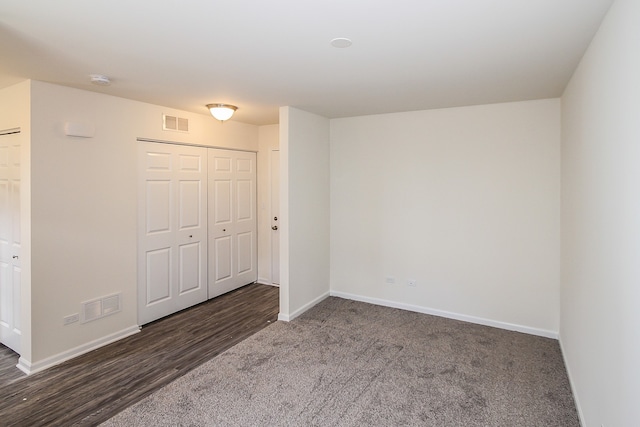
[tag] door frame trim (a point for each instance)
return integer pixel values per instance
(192, 144)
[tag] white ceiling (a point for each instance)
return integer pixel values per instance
(259, 55)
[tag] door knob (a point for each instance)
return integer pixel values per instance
(274, 227)
(275, 218)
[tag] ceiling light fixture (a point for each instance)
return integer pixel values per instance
(222, 112)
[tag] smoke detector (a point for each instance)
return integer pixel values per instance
(341, 42)
(100, 80)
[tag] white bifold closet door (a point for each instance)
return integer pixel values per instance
(233, 247)
(10, 242)
(172, 241)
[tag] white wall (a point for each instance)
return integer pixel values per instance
(15, 113)
(268, 140)
(84, 203)
(600, 296)
(304, 211)
(463, 200)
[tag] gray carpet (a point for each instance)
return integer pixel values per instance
(346, 363)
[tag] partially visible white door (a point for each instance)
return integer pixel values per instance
(275, 214)
(10, 270)
(172, 241)
(232, 220)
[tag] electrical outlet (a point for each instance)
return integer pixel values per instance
(412, 282)
(73, 318)
(390, 280)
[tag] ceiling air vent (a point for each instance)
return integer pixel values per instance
(178, 124)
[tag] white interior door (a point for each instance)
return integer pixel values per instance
(172, 241)
(10, 270)
(275, 215)
(232, 220)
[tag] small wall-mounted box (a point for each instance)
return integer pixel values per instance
(82, 130)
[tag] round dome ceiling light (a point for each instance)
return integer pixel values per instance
(222, 112)
(341, 42)
(100, 80)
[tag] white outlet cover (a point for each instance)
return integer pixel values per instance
(72, 318)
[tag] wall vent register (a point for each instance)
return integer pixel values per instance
(178, 124)
(101, 307)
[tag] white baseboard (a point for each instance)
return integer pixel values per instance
(268, 284)
(298, 312)
(571, 384)
(448, 314)
(31, 368)
(283, 317)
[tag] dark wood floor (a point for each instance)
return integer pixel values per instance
(93, 387)
(8, 370)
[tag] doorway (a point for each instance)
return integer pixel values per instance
(10, 241)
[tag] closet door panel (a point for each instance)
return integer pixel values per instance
(232, 220)
(172, 236)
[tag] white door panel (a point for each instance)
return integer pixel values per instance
(222, 202)
(158, 206)
(245, 201)
(275, 215)
(245, 249)
(190, 269)
(173, 231)
(232, 220)
(222, 258)
(158, 278)
(10, 243)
